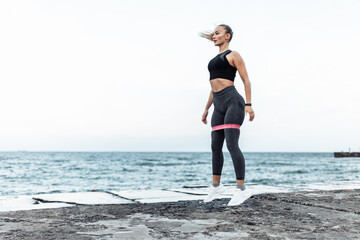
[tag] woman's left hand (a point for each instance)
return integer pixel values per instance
(248, 109)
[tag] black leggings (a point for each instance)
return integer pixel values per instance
(229, 114)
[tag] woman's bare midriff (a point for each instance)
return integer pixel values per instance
(218, 84)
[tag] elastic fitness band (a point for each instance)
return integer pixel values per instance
(219, 127)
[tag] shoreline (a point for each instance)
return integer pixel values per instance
(319, 214)
(57, 200)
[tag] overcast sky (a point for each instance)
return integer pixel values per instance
(132, 75)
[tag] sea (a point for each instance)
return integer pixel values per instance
(27, 173)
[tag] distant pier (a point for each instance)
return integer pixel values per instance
(346, 154)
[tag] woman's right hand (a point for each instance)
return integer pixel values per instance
(203, 119)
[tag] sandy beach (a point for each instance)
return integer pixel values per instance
(297, 215)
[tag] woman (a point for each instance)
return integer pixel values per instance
(229, 112)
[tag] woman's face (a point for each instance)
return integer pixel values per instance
(219, 36)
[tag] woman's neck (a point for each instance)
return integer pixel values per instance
(223, 48)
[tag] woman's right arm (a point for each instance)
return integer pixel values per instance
(208, 105)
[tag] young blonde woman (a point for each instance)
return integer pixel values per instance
(229, 112)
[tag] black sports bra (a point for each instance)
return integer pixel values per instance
(219, 67)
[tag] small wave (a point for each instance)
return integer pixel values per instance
(183, 158)
(157, 164)
(61, 160)
(277, 163)
(297, 171)
(168, 164)
(128, 170)
(353, 171)
(53, 191)
(190, 175)
(151, 159)
(75, 168)
(145, 164)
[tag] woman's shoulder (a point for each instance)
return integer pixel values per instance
(235, 55)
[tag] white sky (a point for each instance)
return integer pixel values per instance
(132, 75)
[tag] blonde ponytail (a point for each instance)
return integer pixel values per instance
(208, 35)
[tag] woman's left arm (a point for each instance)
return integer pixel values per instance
(240, 66)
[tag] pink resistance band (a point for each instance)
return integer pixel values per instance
(219, 127)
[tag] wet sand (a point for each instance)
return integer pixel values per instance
(296, 215)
